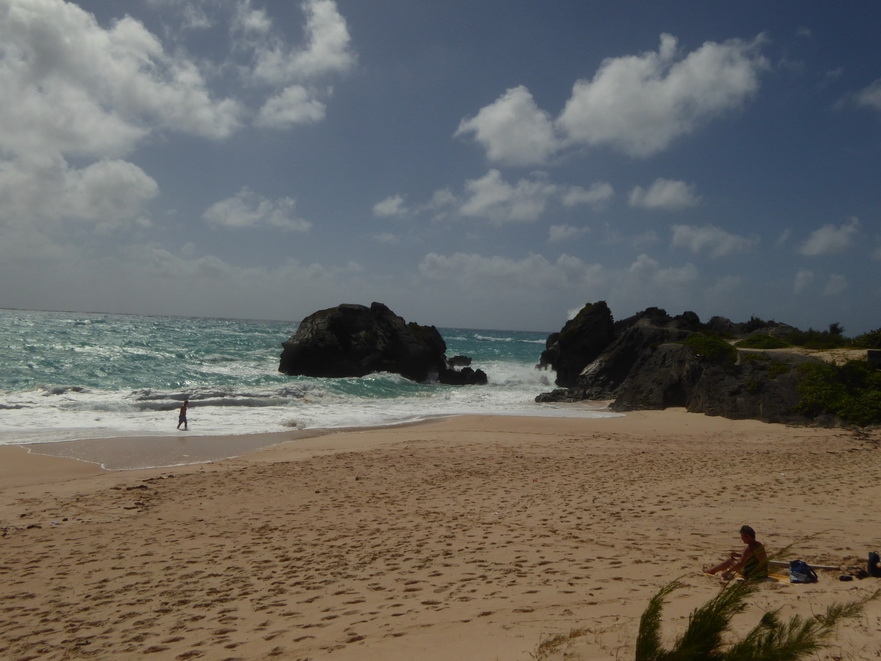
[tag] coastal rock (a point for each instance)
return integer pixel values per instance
(582, 339)
(633, 351)
(355, 340)
(652, 363)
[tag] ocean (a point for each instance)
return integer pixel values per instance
(71, 376)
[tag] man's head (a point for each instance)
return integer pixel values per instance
(747, 531)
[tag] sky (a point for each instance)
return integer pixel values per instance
(487, 164)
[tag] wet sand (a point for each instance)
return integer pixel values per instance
(471, 538)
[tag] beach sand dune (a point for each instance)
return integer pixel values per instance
(470, 538)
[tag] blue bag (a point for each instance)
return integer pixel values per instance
(801, 572)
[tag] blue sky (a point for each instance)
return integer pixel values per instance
(471, 163)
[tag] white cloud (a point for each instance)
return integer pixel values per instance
(293, 105)
(513, 129)
(643, 265)
(785, 235)
(714, 240)
(493, 198)
(830, 239)
(391, 206)
(596, 195)
(250, 20)
(835, 285)
(803, 280)
(109, 192)
(562, 233)
(640, 104)
(666, 194)
(73, 87)
(247, 209)
(870, 97)
(533, 271)
(328, 49)
(387, 238)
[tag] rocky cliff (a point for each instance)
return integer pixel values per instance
(655, 361)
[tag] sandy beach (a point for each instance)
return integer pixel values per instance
(474, 537)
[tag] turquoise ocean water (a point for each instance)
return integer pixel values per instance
(68, 376)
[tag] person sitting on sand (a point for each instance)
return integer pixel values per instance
(182, 418)
(752, 562)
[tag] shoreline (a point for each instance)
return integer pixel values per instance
(132, 452)
(471, 537)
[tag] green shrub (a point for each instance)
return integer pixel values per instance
(870, 340)
(776, 368)
(712, 348)
(762, 342)
(771, 639)
(851, 392)
(819, 340)
(753, 357)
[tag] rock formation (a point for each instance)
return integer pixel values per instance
(655, 361)
(354, 340)
(580, 342)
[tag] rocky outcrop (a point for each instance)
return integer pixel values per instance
(354, 340)
(655, 361)
(582, 339)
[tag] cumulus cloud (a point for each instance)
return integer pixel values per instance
(293, 105)
(246, 209)
(512, 129)
(297, 71)
(665, 194)
(709, 238)
(835, 285)
(642, 283)
(493, 198)
(636, 104)
(563, 233)
(596, 195)
(501, 202)
(328, 49)
(387, 238)
(830, 239)
(870, 97)
(533, 271)
(802, 281)
(640, 104)
(110, 192)
(389, 207)
(73, 87)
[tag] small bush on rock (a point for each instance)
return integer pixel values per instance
(762, 342)
(714, 349)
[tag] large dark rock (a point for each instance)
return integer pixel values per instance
(354, 340)
(635, 340)
(582, 339)
(652, 363)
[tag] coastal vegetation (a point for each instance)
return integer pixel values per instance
(713, 348)
(772, 638)
(707, 636)
(767, 371)
(832, 338)
(851, 392)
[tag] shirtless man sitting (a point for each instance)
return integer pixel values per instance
(752, 562)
